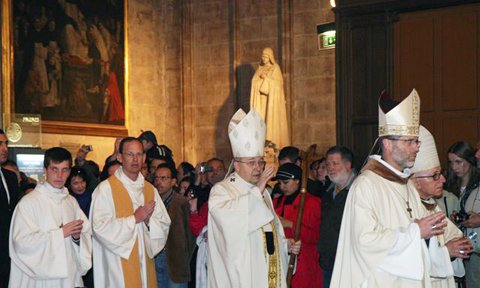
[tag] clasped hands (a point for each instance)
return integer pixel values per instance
(72, 228)
(143, 213)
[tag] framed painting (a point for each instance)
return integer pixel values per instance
(66, 60)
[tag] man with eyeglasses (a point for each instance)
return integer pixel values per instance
(381, 241)
(130, 223)
(246, 243)
(429, 181)
(173, 263)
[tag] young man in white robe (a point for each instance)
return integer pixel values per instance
(50, 236)
(384, 225)
(246, 244)
(130, 224)
(429, 181)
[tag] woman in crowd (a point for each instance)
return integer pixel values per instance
(308, 272)
(77, 185)
(463, 180)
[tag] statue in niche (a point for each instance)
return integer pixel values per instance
(267, 96)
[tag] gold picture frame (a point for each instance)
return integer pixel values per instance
(69, 123)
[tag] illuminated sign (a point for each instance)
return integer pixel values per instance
(326, 36)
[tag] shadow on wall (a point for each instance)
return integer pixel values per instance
(238, 98)
(244, 75)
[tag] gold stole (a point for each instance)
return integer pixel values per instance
(274, 269)
(124, 208)
(274, 279)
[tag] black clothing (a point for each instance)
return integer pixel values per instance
(6, 211)
(318, 188)
(202, 193)
(332, 212)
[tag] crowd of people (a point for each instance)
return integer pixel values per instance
(143, 221)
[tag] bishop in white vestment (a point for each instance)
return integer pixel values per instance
(447, 250)
(246, 244)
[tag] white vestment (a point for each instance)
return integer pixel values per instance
(441, 268)
(114, 237)
(380, 244)
(201, 275)
(41, 255)
(238, 211)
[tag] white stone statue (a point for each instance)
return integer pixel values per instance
(267, 96)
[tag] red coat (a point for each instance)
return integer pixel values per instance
(308, 272)
(199, 220)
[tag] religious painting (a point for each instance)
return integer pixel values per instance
(68, 63)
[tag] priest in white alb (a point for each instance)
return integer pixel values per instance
(448, 249)
(381, 241)
(130, 224)
(50, 236)
(246, 244)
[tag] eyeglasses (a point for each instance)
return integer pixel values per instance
(132, 155)
(251, 164)
(409, 141)
(435, 176)
(162, 178)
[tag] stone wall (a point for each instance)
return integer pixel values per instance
(313, 103)
(225, 44)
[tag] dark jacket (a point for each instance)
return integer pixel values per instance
(6, 211)
(180, 242)
(332, 212)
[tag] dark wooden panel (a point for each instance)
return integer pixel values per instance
(379, 58)
(428, 122)
(414, 58)
(365, 136)
(459, 60)
(456, 129)
(364, 50)
(359, 81)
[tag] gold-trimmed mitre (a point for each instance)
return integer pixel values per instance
(402, 120)
(247, 134)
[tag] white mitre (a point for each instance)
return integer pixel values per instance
(247, 134)
(403, 120)
(427, 156)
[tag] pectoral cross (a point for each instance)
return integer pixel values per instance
(409, 210)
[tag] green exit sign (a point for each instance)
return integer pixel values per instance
(326, 40)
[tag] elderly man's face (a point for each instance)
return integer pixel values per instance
(338, 170)
(249, 168)
(429, 183)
